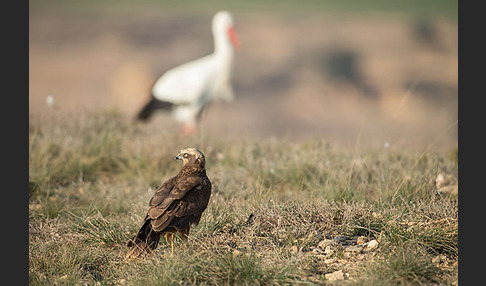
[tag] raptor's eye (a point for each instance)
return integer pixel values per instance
(185, 155)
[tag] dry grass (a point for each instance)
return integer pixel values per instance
(272, 203)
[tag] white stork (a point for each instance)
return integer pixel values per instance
(186, 89)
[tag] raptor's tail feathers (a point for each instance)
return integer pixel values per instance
(145, 240)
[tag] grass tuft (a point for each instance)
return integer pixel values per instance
(406, 265)
(98, 229)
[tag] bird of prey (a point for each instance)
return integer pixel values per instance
(176, 205)
(186, 89)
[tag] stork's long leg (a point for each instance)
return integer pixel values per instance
(188, 129)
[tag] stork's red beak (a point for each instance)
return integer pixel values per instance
(233, 37)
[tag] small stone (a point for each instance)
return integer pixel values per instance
(348, 242)
(317, 250)
(447, 184)
(328, 250)
(354, 248)
(34, 206)
(324, 243)
(336, 275)
(330, 261)
(341, 238)
(50, 100)
(320, 257)
(443, 180)
(361, 240)
(439, 258)
(294, 249)
(376, 215)
(451, 190)
(372, 244)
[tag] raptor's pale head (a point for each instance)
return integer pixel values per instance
(191, 157)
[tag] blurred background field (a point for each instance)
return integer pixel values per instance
(369, 74)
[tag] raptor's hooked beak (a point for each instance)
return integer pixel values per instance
(178, 157)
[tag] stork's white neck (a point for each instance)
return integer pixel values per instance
(222, 44)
